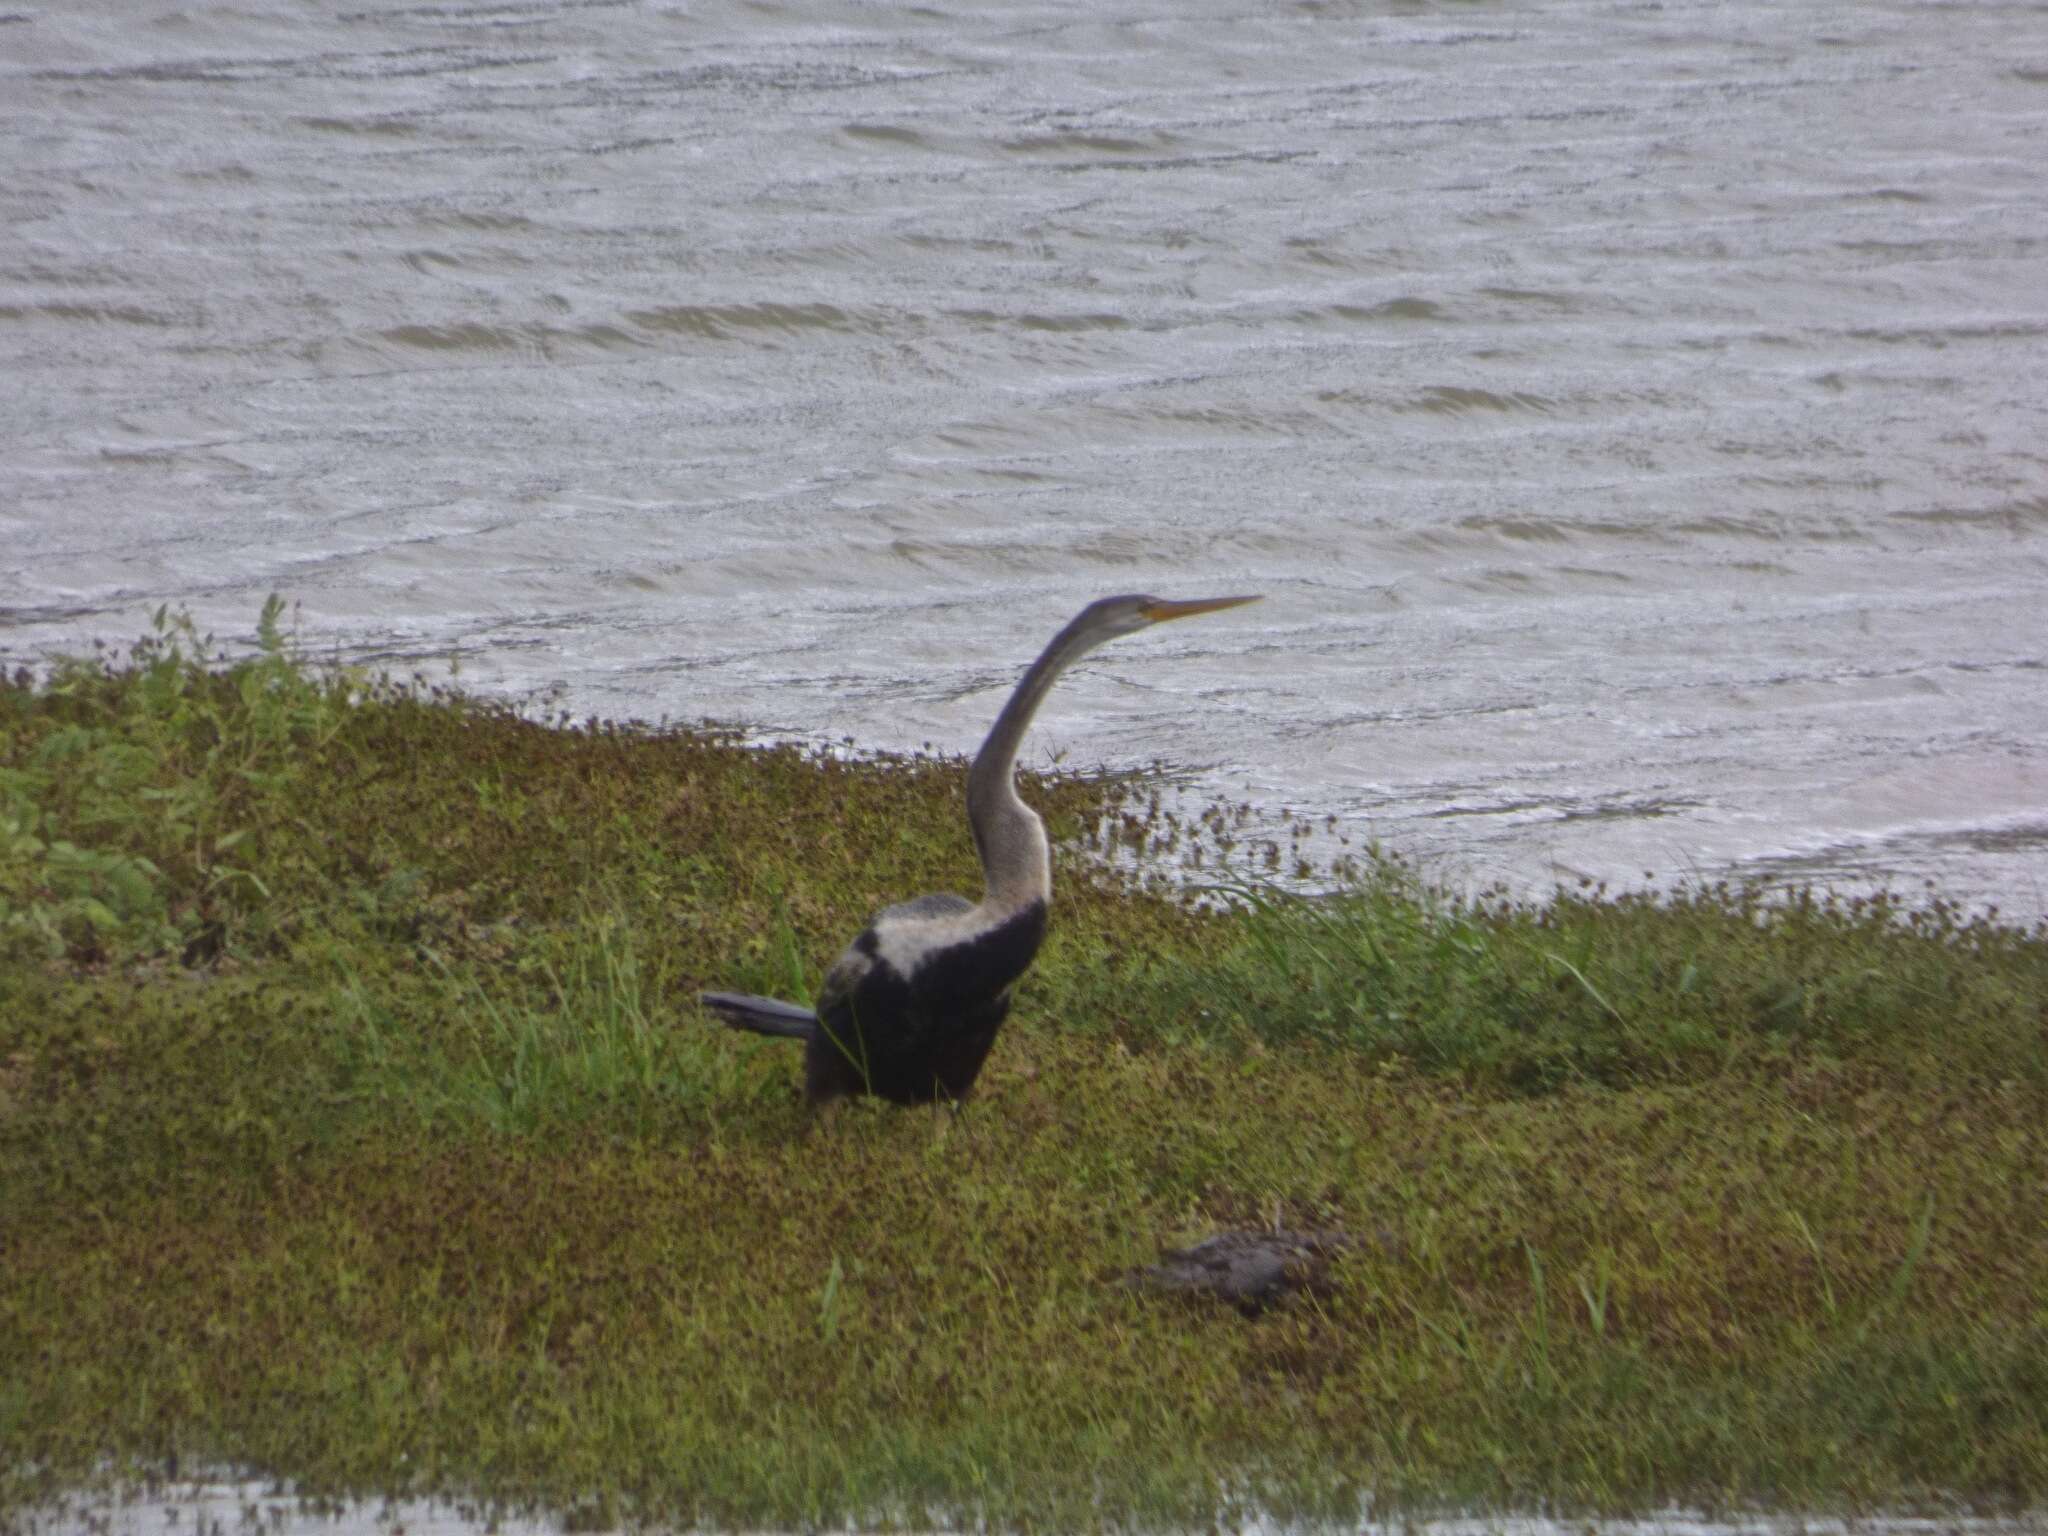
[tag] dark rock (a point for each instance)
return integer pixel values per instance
(1250, 1270)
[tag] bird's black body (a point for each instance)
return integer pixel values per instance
(909, 1011)
(913, 1039)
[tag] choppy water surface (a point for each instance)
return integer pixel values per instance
(1635, 412)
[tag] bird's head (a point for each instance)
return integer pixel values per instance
(1110, 617)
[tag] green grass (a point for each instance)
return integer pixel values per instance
(357, 1125)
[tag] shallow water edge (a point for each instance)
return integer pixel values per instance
(224, 1505)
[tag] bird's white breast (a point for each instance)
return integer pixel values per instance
(903, 942)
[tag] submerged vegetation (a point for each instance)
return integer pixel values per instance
(357, 1126)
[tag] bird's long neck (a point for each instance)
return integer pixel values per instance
(1015, 860)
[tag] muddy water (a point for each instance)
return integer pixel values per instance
(1637, 414)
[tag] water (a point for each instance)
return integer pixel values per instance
(1637, 414)
(228, 1506)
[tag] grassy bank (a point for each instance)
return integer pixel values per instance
(356, 1124)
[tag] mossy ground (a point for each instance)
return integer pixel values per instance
(357, 1125)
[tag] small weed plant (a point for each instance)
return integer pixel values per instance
(136, 800)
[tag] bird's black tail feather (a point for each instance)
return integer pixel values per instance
(762, 1015)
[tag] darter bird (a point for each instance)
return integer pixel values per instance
(909, 1011)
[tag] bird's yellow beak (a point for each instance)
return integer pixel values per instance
(1170, 610)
